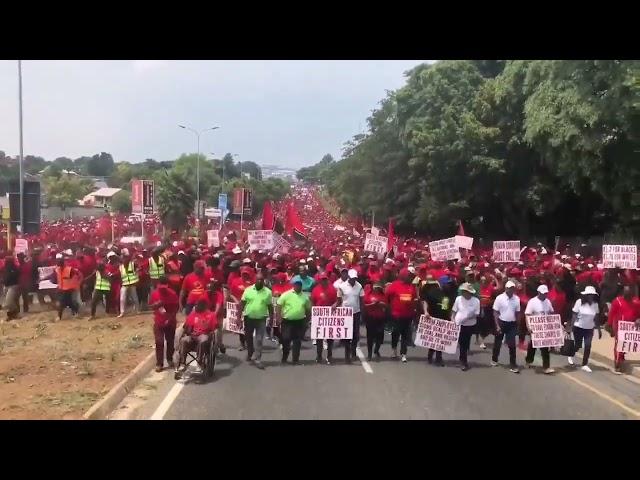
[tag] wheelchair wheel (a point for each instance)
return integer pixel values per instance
(211, 359)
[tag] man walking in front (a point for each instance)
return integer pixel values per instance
(295, 311)
(539, 305)
(506, 309)
(256, 307)
(129, 276)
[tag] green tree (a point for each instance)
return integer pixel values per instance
(121, 202)
(64, 192)
(175, 197)
(64, 163)
(101, 165)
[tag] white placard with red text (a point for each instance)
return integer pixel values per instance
(506, 251)
(43, 274)
(260, 239)
(213, 238)
(22, 246)
(620, 256)
(233, 321)
(328, 325)
(445, 249)
(280, 245)
(375, 243)
(546, 330)
(464, 242)
(438, 334)
(629, 340)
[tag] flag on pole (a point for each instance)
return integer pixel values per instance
(391, 237)
(460, 229)
(268, 218)
(293, 225)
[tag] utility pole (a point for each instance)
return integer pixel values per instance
(21, 159)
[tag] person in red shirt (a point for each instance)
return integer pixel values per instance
(165, 305)
(278, 287)
(199, 327)
(375, 316)
(558, 299)
(144, 279)
(403, 301)
(194, 287)
(625, 308)
(323, 295)
(25, 267)
(112, 268)
(486, 323)
(237, 287)
(87, 267)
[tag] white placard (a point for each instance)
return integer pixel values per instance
(375, 243)
(212, 212)
(233, 321)
(445, 249)
(213, 238)
(22, 246)
(629, 340)
(131, 240)
(620, 256)
(375, 231)
(328, 325)
(260, 239)
(280, 245)
(45, 272)
(546, 330)
(464, 242)
(437, 334)
(339, 228)
(506, 251)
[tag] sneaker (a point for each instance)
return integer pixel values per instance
(223, 349)
(617, 371)
(318, 360)
(259, 365)
(394, 354)
(494, 364)
(483, 346)
(274, 339)
(585, 368)
(248, 359)
(328, 361)
(570, 360)
(314, 342)
(120, 316)
(158, 369)
(464, 368)
(429, 360)
(549, 371)
(295, 362)
(325, 345)
(530, 365)
(439, 363)
(241, 348)
(369, 358)
(280, 346)
(377, 354)
(404, 359)
(514, 370)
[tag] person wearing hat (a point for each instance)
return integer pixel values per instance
(539, 305)
(436, 304)
(506, 311)
(294, 307)
(586, 317)
(186, 264)
(324, 295)
(129, 275)
(465, 310)
(376, 310)
(165, 305)
(101, 289)
(344, 276)
(307, 281)
(351, 294)
(403, 303)
(68, 280)
(279, 285)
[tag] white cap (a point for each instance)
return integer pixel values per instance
(125, 251)
(181, 252)
(259, 252)
(216, 255)
(467, 269)
(109, 255)
(158, 243)
(310, 259)
(412, 270)
(175, 243)
(276, 256)
(567, 266)
(589, 290)
(59, 256)
(371, 256)
(543, 289)
(509, 284)
(590, 265)
(389, 260)
(352, 273)
(600, 266)
(236, 250)
(68, 252)
(563, 257)
(303, 261)
(246, 260)
(577, 255)
(543, 251)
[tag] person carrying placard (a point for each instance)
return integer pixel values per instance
(624, 308)
(539, 305)
(434, 304)
(324, 295)
(351, 294)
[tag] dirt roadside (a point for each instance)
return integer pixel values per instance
(58, 370)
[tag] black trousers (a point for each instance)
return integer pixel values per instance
(508, 330)
(98, 297)
(375, 334)
(66, 300)
(464, 340)
(586, 334)
(351, 345)
(292, 332)
(401, 330)
(438, 355)
(531, 353)
(319, 346)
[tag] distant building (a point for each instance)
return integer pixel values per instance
(100, 198)
(274, 171)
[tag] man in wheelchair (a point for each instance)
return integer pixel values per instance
(198, 331)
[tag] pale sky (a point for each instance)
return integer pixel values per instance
(289, 113)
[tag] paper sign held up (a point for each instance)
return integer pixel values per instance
(506, 251)
(620, 256)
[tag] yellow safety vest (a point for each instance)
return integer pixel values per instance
(102, 284)
(156, 270)
(129, 275)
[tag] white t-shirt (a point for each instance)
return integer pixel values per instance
(338, 282)
(466, 311)
(507, 307)
(586, 314)
(350, 295)
(536, 307)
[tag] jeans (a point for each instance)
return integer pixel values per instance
(375, 335)
(401, 330)
(254, 343)
(531, 353)
(464, 340)
(98, 296)
(67, 300)
(578, 335)
(162, 333)
(508, 331)
(292, 331)
(129, 290)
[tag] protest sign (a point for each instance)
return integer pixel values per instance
(233, 321)
(620, 256)
(339, 228)
(212, 212)
(375, 231)
(22, 246)
(46, 272)
(375, 243)
(629, 340)
(260, 239)
(464, 242)
(438, 334)
(445, 249)
(326, 325)
(280, 245)
(213, 238)
(131, 240)
(506, 251)
(546, 330)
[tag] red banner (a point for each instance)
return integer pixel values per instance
(136, 196)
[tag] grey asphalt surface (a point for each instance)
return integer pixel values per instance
(411, 391)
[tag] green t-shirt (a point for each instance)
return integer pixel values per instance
(294, 305)
(256, 302)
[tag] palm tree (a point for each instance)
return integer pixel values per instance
(176, 200)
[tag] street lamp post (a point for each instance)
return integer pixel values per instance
(198, 164)
(21, 160)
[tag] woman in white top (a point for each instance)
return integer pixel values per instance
(584, 319)
(466, 310)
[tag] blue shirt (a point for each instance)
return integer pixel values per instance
(307, 283)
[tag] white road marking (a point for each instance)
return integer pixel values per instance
(365, 364)
(162, 409)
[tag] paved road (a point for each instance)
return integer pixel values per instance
(392, 390)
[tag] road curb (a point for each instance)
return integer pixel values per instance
(599, 358)
(112, 399)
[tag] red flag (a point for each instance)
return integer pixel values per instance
(460, 229)
(268, 218)
(293, 223)
(391, 238)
